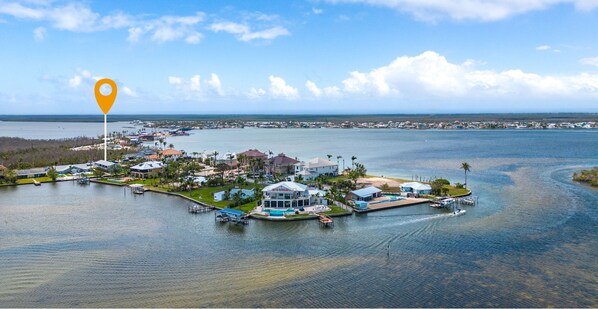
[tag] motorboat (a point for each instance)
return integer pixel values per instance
(458, 212)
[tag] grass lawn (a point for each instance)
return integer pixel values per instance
(456, 191)
(206, 195)
(335, 210)
(30, 180)
(147, 182)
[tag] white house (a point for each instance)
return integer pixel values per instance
(288, 194)
(416, 187)
(105, 166)
(316, 167)
(147, 169)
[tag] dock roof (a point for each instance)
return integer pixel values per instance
(232, 212)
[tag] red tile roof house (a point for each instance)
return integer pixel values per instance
(283, 164)
(253, 154)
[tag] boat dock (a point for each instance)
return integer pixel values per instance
(196, 209)
(326, 221)
(395, 204)
(231, 215)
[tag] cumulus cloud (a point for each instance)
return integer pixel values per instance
(589, 61)
(256, 93)
(313, 88)
(39, 34)
(244, 33)
(317, 11)
(479, 10)
(196, 87)
(279, 89)
(430, 75)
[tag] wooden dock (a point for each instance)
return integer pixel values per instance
(326, 221)
(396, 204)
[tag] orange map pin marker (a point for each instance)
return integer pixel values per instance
(105, 101)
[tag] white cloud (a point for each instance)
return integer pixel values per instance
(479, 10)
(313, 88)
(317, 11)
(543, 47)
(280, 89)
(75, 81)
(39, 34)
(589, 61)
(126, 90)
(173, 80)
(215, 84)
(196, 88)
(194, 38)
(79, 17)
(430, 75)
(244, 33)
(195, 83)
(256, 93)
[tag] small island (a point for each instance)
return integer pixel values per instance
(587, 176)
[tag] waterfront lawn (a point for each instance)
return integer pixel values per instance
(206, 195)
(456, 191)
(334, 210)
(30, 180)
(146, 182)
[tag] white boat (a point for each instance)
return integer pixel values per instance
(447, 202)
(458, 212)
(137, 188)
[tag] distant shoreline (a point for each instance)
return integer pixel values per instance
(555, 117)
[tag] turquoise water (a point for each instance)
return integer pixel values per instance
(531, 241)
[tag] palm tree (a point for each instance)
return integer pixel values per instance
(466, 168)
(171, 146)
(329, 156)
(215, 154)
(353, 158)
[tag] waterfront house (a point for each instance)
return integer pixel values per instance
(282, 164)
(147, 169)
(105, 166)
(254, 154)
(366, 194)
(416, 187)
(221, 195)
(288, 194)
(315, 167)
(31, 173)
(171, 154)
(72, 169)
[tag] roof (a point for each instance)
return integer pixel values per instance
(2, 167)
(417, 186)
(233, 212)
(40, 170)
(317, 192)
(367, 191)
(253, 153)
(171, 152)
(318, 162)
(282, 159)
(286, 186)
(149, 165)
(104, 163)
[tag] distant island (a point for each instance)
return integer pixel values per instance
(588, 176)
(345, 121)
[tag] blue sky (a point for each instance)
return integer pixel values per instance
(335, 56)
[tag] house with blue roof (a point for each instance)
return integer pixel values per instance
(221, 195)
(365, 194)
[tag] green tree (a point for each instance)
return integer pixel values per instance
(52, 173)
(466, 168)
(10, 176)
(353, 158)
(299, 178)
(98, 173)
